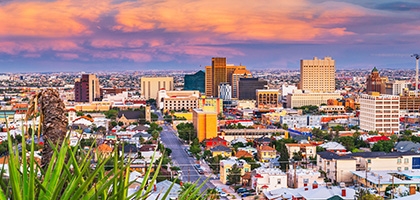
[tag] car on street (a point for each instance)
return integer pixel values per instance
(223, 194)
(200, 171)
(241, 190)
(246, 194)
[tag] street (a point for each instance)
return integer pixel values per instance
(181, 159)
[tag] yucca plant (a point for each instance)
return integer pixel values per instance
(68, 174)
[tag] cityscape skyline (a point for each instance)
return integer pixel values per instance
(74, 35)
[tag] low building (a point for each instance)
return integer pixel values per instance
(332, 109)
(312, 192)
(267, 98)
(264, 178)
(226, 166)
(221, 150)
(265, 153)
(308, 150)
(337, 168)
(232, 134)
(333, 147)
(130, 116)
(297, 178)
(178, 100)
(243, 154)
(299, 98)
(213, 142)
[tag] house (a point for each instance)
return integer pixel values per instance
(226, 165)
(374, 139)
(130, 151)
(140, 128)
(405, 146)
(217, 141)
(264, 178)
(221, 150)
(149, 152)
(243, 154)
(262, 141)
(141, 136)
(333, 147)
(300, 177)
(162, 187)
(85, 120)
(129, 116)
(312, 192)
(103, 151)
(265, 153)
(248, 149)
(337, 167)
(308, 150)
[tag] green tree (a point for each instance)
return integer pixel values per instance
(186, 131)
(348, 142)
(383, 145)
(154, 117)
(285, 126)
(111, 114)
(234, 174)
(80, 113)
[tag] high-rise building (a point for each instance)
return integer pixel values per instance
(317, 75)
(150, 86)
(248, 87)
(379, 113)
(195, 81)
(225, 91)
(376, 83)
(86, 89)
(396, 87)
(237, 74)
(217, 73)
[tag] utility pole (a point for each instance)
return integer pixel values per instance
(188, 174)
(417, 56)
(392, 188)
(294, 178)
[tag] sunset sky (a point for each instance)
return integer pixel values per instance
(91, 35)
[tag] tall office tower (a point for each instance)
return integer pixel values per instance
(376, 83)
(86, 89)
(380, 113)
(317, 75)
(217, 73)
(248, 87)
(236, 75)
(225, 91)
(150, 86)
(195, 81)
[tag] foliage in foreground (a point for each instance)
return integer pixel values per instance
(70, 175)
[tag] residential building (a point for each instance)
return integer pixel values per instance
(312, 192)
(264, 178)
(225, 91)
(376, 83)
(232, 134)
(93, 106)
(318, 75)
(243, 154)
(150, 86)
(130, 116)
(265, 153)
(210, 143)
(308, 150)
(226, 166)
(337, 168)
(178, 100)
(333, 147)
(410, 103)
(406, 146)
(301, 121)
(205, 124)
(267, 98)
(332, 109)
(195, 81)
(86, 88)
(217, 73)
(221, 150)
(379, 113)
(248, 87)
(303, 98)
(237, 74)
(299, 177)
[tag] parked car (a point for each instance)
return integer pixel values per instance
(246, 194)
(197, 166)
(223, 194)
(200, 171)
(241, 190)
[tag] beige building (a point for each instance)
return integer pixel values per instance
(307, 150)
(264, 178)
(300, 98)
(297, 178)
(93, 106)
(317, 75)
(337, 168)
(379, 113)
(267, 98)
(226, 165)
(237, 74)
(332, 109)
(178, 100)
(150, 86)
(219, 72)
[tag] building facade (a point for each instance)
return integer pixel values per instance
(211, 104)
(86, 88)
(300, 98)
(376, 83)
(225, 91)
(267, 98)
(178, 100)
(380, 113)
(248, 87)
(226, 165)
(237, 74)
(195, 81)
(150, 86)
(317, 75)
(217, 73)
(205, 124)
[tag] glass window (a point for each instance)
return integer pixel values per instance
(399, 160)
(278, 181)
(369, 161)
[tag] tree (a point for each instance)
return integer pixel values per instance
(186, 131)
(297, 156)
(111, 114)
(154, 117)
(284, 154)
(347, 141)
(383, 145)
(54, 120)
(80, 113)
(285, 126)
(234, 174)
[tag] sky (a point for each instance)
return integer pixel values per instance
(115, 35)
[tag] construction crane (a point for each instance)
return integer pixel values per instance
(417, 56)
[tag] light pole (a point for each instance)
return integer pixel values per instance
(417, 56)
